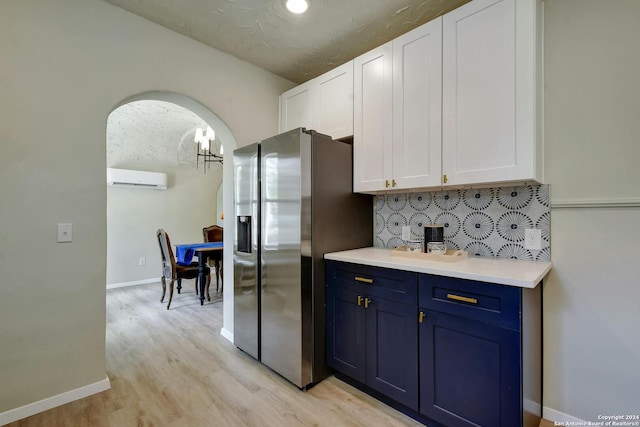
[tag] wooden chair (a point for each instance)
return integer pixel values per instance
(214, 233)
(173, 271)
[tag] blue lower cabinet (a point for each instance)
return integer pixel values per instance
(392, 350)
(469, 372)
(470, 356)
(374, 341)
(346, 333)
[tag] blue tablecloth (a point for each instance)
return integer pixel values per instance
(184, 253)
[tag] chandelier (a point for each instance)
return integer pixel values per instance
(205, 140)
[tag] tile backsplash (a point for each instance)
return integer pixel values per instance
(484, 222)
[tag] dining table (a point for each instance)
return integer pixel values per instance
(186, 252)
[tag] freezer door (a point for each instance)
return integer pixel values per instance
(246, 250)
(286, 228)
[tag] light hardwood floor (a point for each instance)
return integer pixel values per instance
(172, 368)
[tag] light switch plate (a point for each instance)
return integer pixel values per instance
(406, 232)
(65, 232)
(533, 239)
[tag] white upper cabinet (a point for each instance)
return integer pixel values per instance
(455, 102)
(397, 113)
(372, 120)
(324, 104)
(490, 67)
(334, 102)
(417, 107)
(296, 109)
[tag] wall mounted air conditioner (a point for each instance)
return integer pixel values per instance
(136, 179)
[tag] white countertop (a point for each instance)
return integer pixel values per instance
(524, 274)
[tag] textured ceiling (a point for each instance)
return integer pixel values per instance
(264, 33)
(296, 47)
(152, 132)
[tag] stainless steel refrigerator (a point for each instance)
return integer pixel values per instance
(293, 203)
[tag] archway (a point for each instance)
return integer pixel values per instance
(228, 141)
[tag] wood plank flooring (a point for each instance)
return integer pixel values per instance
(172, 368)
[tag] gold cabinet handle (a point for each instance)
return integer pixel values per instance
(393, 183)
(363, 280)
(421, 317)
(463, 299)
(359, 300)
(366, 302)
(444, 179)
(386, 183)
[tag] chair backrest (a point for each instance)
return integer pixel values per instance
(168, 260)
(212, 233)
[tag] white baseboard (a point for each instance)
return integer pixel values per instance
(532, 407)
(53, 401)
(134, 283)
(560, 417)
(228, 335)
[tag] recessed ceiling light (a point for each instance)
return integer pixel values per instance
(297, 6)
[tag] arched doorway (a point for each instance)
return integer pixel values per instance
(229, 143)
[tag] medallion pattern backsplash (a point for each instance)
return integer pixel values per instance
(483, 221)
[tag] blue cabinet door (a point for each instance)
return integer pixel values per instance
(392, 349)
(469, 372)
(346, 333)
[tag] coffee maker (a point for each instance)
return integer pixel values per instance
(433, 233)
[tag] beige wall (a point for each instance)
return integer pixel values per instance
(158, 137)
(134, 215)
(65, 64)
(592, 149)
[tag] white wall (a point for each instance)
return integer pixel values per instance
(592, 130)
(66, 64)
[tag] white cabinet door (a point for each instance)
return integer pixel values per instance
(296, 108)
(372, 120)
(334, 102)
(417, 107)
(489, 92)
